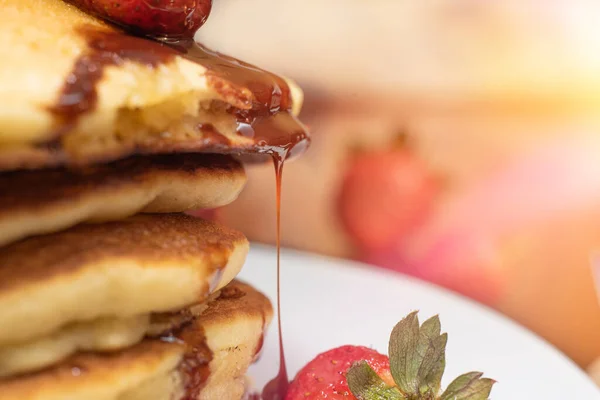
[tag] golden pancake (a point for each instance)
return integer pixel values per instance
(206, 359)
(50, 200)
(76, 90)
(104, 376)
(144, 264)
(101, 335)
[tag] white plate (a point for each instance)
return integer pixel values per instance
(328, 303)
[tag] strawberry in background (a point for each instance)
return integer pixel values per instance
(387, 197)
(457, 243)
(519, 238)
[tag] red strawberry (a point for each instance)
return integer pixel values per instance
(385, 194)
(413, 371)
(170, 18)
(325, 376)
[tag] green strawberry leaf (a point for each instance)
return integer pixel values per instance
(403, 342)
(417, 356)
(365, 384)
(417, 363)
(432, 346)
(469, 386)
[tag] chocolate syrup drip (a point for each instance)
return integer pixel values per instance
(277, 388)
(104, 48)
(271, 94)
(194, 367)
(195, 370)
(262, 100)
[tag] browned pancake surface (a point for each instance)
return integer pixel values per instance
(28, 189)
(146, 263)
(154, 238)
(36, 202)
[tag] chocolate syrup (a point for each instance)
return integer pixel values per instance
(270, 93)
(276, 389)
(194, 367)
(104, 48)
(265, 116)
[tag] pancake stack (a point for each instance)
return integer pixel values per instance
(108, 290)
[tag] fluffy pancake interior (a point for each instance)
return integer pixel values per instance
(39, 57)
(152, 184)
(147, 263)
(232, 325)
(153, 106)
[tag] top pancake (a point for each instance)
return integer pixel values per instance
(147, 98)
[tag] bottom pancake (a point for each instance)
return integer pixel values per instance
(205, 359)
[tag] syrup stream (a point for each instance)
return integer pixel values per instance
(276, 389)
